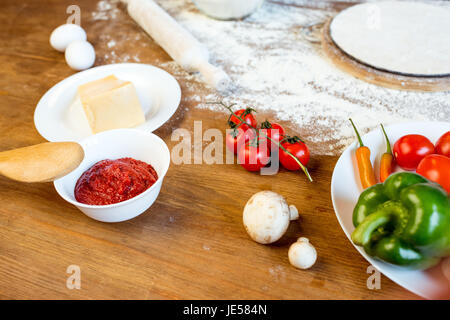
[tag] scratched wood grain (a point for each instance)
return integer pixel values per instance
(191, 242)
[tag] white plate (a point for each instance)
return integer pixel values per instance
(346, 188)
(159, 94)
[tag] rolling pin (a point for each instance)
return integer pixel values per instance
(176, 41)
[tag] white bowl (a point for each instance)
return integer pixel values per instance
(115, 144)
(228, 9)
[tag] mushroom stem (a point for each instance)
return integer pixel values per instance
(293, 212)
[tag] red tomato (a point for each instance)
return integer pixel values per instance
(436, 167)
(443, 144)
(254, 155)
(246, 115)
(238, 137)
(409, 150)
(274, 131)
(297, 148)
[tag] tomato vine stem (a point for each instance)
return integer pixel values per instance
(229, 108)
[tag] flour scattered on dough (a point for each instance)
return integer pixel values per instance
(274, 68)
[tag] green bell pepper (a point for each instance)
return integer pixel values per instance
(404, 221)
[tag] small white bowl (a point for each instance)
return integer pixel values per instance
(228, 9)
(115, 144)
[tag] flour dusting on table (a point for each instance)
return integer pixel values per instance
(276, 67)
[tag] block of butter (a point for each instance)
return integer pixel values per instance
(110, 103)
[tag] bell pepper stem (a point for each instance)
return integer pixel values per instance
(390, 211)
(363, 233)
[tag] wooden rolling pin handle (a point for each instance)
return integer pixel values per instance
(181, 45)
(214, 76)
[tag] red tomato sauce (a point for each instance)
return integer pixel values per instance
(113, 181)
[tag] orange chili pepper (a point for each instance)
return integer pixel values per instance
(387, 159)
(366, 174)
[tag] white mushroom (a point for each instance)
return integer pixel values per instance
(302, 254)
(267, 216)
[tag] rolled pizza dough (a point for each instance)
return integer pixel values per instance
(405, 37)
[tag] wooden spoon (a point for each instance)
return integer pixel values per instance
(42, 162)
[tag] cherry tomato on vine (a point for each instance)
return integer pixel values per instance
(443, 145)
(297, 148)
(274, 131)
(246, 115)
(436, 167)
(236, 138)
(254, 155)
(409, 150)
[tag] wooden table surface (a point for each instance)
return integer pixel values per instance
(191, 243)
